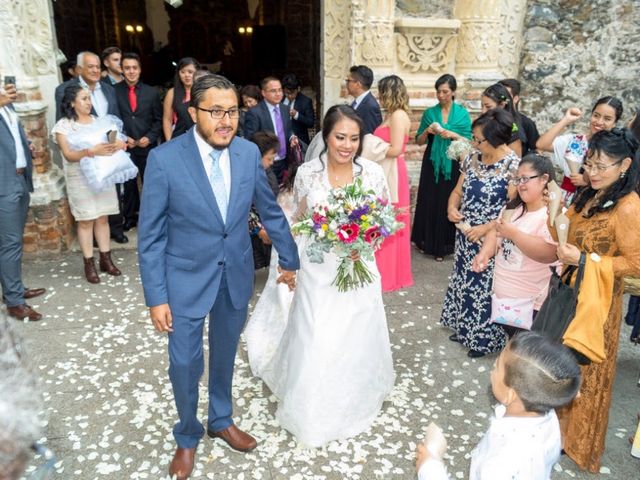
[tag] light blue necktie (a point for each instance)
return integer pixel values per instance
(217, 183)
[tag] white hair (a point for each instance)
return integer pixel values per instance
(20, 404)
(81, 55)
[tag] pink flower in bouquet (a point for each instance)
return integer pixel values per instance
(318, 220)
(348, 233)
(372, 234)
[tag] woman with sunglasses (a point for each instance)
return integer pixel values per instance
(525, 248)
(572, 146)
(603, 234)
(474, 204)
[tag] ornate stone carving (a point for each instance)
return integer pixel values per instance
(478, 40)
(426, 45)
(8, 43)
(372, 27)
(512, 13)
(337, 42)
(35, 33)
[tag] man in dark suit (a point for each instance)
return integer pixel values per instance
(15, 184)
(141, 111)
(300, 107)
(271, 116)
(196, 260)
(359, 82)
(103, 102)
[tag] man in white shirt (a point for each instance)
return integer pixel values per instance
(15, 185)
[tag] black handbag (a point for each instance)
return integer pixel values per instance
(559, 308)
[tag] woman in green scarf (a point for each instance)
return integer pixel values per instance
(432, 232)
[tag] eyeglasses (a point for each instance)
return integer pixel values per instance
(219, 113)
(523, 180)
(477, 140)
(598, 168)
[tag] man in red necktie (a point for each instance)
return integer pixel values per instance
(141, 113)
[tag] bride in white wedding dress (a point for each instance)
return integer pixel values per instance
(332, 368)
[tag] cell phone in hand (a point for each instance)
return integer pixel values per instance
(9, 80)
(112, 135)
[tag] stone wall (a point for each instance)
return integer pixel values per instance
(576, 51)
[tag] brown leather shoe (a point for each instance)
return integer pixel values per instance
(90, 272)
(33, 292)
(182, 464)
(236, 438)
(106, 264)
(24, 311)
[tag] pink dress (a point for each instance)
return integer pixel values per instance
(394, 257)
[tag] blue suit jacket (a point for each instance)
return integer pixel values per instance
(184, 246)
(8, 175)
(369, 112)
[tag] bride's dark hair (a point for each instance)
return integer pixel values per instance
(333, 116)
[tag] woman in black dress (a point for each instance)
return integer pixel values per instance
(175, 116)
(432, 232)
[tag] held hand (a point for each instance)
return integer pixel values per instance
(506, 230)
(454, 215)
(572, 114)
(294, 141)
(8, 94)
(568, 254)
(448, 134)
(475, 234)
(293, 112)
(130, 142)
(578, 180)
(287, 277)
(161, 318)
(480, 262)
(264, 236)
(103, 149)
(143, 142)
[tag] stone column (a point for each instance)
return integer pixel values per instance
(478, 38)
(28, 24)
(335, 53)
(372, 23)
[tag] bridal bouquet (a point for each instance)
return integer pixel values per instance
(459, 149)
(352, 219)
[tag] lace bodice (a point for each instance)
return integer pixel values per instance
(312, 184)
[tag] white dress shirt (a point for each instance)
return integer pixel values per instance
(12, 121)
(525, 448)
(98, 100)
(225, 164)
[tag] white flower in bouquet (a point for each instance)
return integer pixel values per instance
(459, 149)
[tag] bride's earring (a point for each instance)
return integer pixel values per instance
(623, 174)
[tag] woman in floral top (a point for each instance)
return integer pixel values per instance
(482, 191)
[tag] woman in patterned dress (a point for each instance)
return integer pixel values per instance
(482, 190)
(603, 223)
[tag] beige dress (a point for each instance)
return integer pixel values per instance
(85, 204)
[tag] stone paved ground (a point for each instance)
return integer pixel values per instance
(110, 408)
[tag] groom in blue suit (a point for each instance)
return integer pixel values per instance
(196, 257)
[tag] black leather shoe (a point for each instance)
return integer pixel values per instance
(475, 354)
(454, 338)
(129, 224)
(120, 238)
